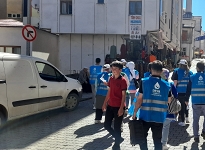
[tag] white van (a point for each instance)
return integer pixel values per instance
(30, 85)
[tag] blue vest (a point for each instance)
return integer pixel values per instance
(94, 71)
(198, 88)
(101, 88)
(147, 74)
(155, 99)
(183, 80)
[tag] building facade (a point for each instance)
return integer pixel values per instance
(89, 29)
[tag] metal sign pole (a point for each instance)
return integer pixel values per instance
(28, 23)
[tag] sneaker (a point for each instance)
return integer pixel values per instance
(97, 121)
(203, 134)
(196, 139)
(116, 147)
(182, 124)
(165, 147)
(187, 120)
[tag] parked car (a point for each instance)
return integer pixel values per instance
(30, 85)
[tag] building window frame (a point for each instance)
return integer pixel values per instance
(14, 49)
(9, 15)
(101, 2)
(135, 7)
(66, 7)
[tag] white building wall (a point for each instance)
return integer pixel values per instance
(79, 50)
(89, 17)
(12, 36)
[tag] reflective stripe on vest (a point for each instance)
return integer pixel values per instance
(153, 109)
(197, 95)
(103, 88)
(198, 89)
(154, 101)
(181, 85)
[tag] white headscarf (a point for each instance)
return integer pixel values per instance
(131, 66)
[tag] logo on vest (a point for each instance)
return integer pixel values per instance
(156, 91)
(94, 70)
(157, 86)
(201, 80)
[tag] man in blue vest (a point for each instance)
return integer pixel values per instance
(94, 71)
(154, 95)
(101, 91)
(196, 88)
(181, 78)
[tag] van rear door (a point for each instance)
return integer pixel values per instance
(22, 86)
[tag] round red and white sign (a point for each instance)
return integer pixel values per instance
(29, 33)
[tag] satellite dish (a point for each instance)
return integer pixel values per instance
(35, 4)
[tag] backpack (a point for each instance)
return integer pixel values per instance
(174, 106)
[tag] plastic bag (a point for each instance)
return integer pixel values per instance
(132, 107)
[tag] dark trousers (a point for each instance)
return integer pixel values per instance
(156, 134)
(98, 114)
(112, 112)
(182, 99)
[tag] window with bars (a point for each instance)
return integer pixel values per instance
(66, 7)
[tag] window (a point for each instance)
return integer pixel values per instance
(9, 15)
(100, 1)
(11, 49)
(48, 72)
(135, 8)
(13, 15)
(66, 7)
(184, 35)
(18, 16)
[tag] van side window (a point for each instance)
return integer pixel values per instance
(47, 72)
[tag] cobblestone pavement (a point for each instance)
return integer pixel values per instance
(58, 130)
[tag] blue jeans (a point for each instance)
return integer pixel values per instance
(165, 130)
(198, 110)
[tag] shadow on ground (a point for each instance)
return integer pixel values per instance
(21, 133)
(89, 130)
(105, 142)
(180, 134)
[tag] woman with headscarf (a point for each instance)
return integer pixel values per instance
(131, 73)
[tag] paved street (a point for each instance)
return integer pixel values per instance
(76, 131)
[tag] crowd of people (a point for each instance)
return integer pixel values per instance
(116, 88)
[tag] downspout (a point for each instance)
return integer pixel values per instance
(171, 19)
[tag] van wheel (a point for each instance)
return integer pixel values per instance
(2, 119)
(72, 102)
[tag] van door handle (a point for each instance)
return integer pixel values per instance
(43, 86)
(32, 87)
(2, 81)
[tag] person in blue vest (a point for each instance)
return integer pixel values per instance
(131, 73)
(154, 95)
(101, 91)
(196, 87)
(94, 70)
(181, 78)
(148, 73)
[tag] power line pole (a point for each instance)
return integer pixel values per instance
(28, 22)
